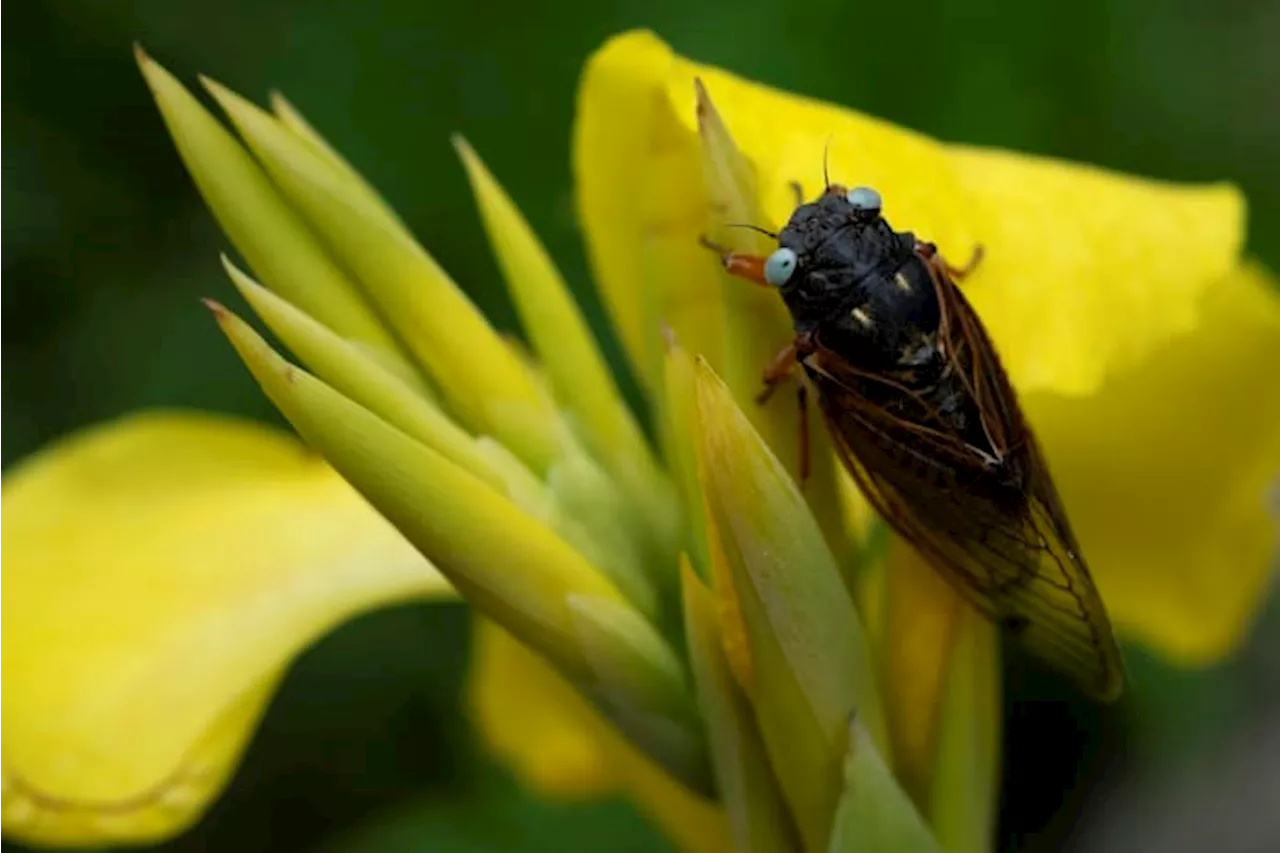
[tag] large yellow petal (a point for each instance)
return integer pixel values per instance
(1167, 474)
(641, 198)
(160, 573)
(538, 724)
(1086, 272)
(533, 719)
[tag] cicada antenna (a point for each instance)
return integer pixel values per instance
(826, 156)
(756, 228)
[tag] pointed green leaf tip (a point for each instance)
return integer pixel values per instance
(485, 383)
(560, 335)
(811, 661)
(875, 815)
(276, 242)
(353, 373)
(756, 324)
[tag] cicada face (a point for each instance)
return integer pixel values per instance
(928, 425)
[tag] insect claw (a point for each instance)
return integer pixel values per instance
(798, 190)
(961, 273)
(707, 243)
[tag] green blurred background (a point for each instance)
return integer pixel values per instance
(107, 249)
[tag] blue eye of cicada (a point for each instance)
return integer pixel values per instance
(780, 266)
(864, 199)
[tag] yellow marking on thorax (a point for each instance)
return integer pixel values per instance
(901, 281)
(863, 318)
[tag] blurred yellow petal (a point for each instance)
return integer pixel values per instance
(641, 199)
(557, 744)
(941, 669)
(1086, 271)
(533, 719)
(259, 222)
(1167, 474)
(963, 802)
(922, 617)
(692, 822)
(160, 573)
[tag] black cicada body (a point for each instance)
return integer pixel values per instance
(926, 422)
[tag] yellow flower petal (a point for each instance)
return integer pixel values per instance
(922, 617)
(1086, 271)
(640, 195)
(1167, 473)
(556, 743)
(160, 573)
(966, 776)
(941, 669)
(533, 719)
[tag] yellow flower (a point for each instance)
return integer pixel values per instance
(163, 570)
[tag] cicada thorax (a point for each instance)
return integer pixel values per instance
(868, 301)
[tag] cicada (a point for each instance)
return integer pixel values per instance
(927, 423)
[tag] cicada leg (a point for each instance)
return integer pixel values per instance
(784, 365)
(802, 412)
(750, 267)
(930, 253)
(798, 189)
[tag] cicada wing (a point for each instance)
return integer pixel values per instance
(1009, 552)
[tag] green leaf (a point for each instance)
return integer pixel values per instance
(757, 815)
(267, 232)
(565, 346)
(484, 381)
(509, 565)
(812, 665)
(757, 327)
(875, 815)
